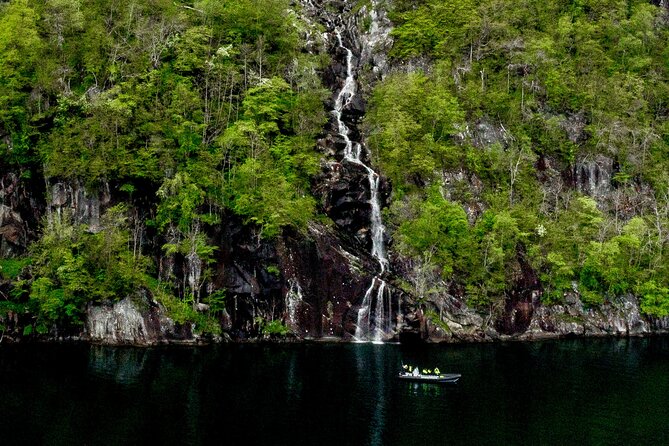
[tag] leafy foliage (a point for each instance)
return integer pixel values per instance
(199, 110)
(206, 110)
(10, 269)
(272, 328)
(564, 82)
(72, 267)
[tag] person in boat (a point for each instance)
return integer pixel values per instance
(415, 371)
(436, 371)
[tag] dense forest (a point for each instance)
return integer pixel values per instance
(525, 144)
(568, 83)
(188, 112)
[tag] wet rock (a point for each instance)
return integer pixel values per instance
(593, 176)
(21, 209)
(659, 325)
(333, 277)
(247, 268)
(13, 236)
(84, 206)
(519, 304)
(343, 189)
(484, 134)
(312, 282)
(620, 317)
(132, 321)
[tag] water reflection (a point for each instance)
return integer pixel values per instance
(122, 365)
(421, 389)
(379, 378)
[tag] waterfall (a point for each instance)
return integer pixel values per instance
(377, 325)
(364, 323)
(381, 320)
(293, 300)
(374, 319)
(352, 152)
(374, 325)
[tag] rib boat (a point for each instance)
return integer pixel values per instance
(440, 378)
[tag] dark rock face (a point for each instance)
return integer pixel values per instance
(13, 233)
(593, 177)
(516, 316)
(21, 209)
(85, 206)
(661, 3)
(326, 272)
(309, 281)
(519, 305)
(248, 269)
(343, 189)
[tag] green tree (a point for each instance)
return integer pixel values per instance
(20, 49)
(72, 267)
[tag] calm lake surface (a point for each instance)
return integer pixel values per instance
(603, 391)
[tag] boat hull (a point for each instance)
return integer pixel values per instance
(443, 378)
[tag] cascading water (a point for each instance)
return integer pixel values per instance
(375, 326)
(352, 153)
(293, 300)
(374, 321)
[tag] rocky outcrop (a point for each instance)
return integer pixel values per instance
(448, 319)
(21, 210)
(375, 39)
(483, 134)
(23, 205)
(13, 233)
(621, 317)
(133, 321)
(593, 176)
(343, 190)
(334, 276)
(85, 206)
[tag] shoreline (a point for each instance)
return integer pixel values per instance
(202, 342)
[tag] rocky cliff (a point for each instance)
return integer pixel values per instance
(334, 281)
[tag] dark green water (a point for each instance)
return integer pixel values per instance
(558, 392)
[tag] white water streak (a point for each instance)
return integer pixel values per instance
(364, 323)
(352, 153)
(293, 300)
(380, 322)
(377, 325)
